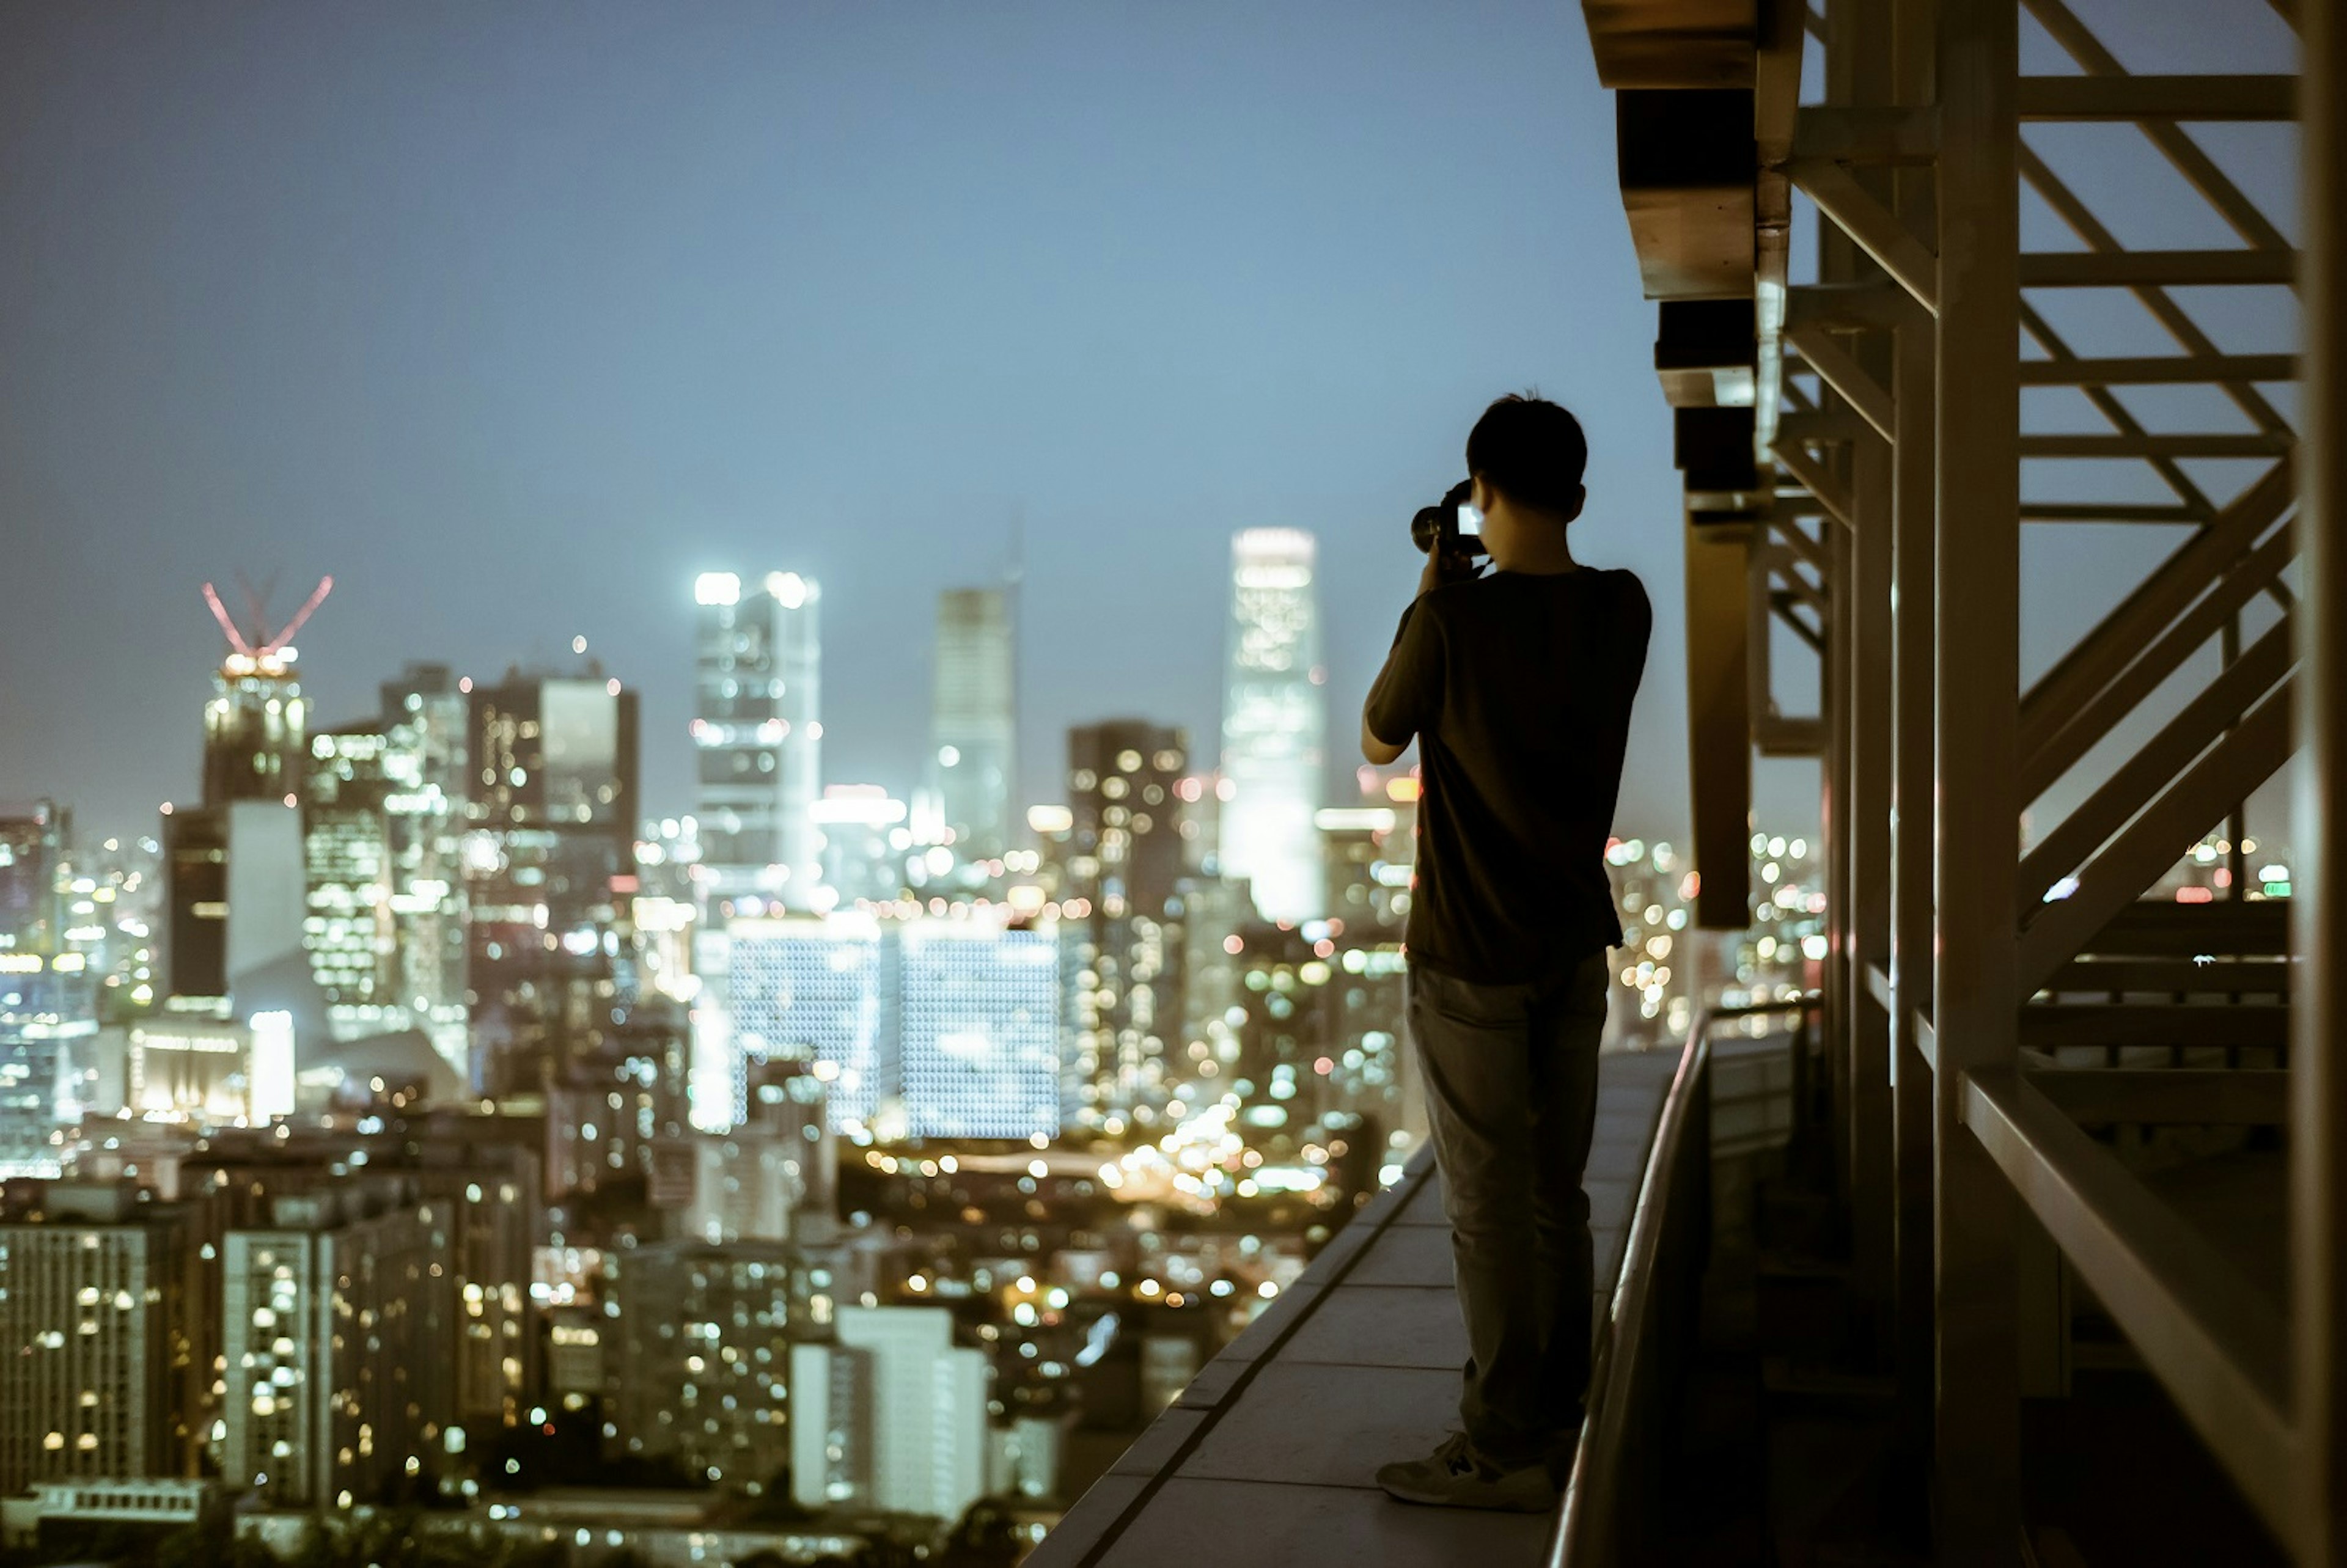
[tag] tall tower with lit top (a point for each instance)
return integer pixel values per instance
(757, 727)
(1275, 723)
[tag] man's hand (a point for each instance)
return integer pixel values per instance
(1444, 567)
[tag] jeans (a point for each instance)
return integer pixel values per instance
(1511, 1075)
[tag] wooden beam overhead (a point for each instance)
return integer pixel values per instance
(2167, 369)
(2162, 269)
(2143, 98)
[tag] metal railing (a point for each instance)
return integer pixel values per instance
(1613, 1460)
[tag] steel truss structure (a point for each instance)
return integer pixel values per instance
(1860, 473)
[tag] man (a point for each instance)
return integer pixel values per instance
(1517, 687)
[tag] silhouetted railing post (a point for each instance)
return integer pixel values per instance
(1977, 1435)
(2318, 1068)
(1913, 484)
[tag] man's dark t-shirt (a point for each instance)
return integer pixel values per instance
(1518, 687)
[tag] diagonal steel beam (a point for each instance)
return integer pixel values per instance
(2164, 310)
(1813, 476)
(1798, 541)
(2180, 150)
(2098, 657)
(1840, 370)
(2135, 781)
(1871, 226)
(2169, 825)
(2071, 735)
(2171, 473)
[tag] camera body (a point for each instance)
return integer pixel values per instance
(1451, 527)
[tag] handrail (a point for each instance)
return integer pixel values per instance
(1592, 1484)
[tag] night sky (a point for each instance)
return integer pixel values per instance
(514, 317)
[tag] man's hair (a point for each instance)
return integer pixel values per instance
(1530, 450)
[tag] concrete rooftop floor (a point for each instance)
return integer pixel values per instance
(1268, 1456)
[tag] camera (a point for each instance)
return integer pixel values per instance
(1451, 527)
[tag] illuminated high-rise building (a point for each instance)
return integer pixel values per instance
(821, 991)
(974, 721)
(863, 842)
(321, 1412)
(550, 856)
(383, 805)
(1275, 723)
(256, 729)
(758, 727)
(919, 1029)
(48, 1014)
(234, 861)
(32, 853)
(696, 1355)
(975, 1053)
(99, 1373)
(426, 719)
(1124, 857)
(346, 856)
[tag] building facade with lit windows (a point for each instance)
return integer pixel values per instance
(757, 727)
(549, 859)
(696, 1347)
(1275, 723)
(891, 1414)
(865, 843)
(819, 990)
(32, 859)
(336, 1326)
(48, 1027)
(427, 723)
(1120, 862)
(346, 928)
(256, 729)
(99, 1373)
(975, 1053)
(974, 721)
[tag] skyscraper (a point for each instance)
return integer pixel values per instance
(234, 861)
(1124, 855)
(426, 718)
(553, 822)
(256, 728)
(758, 726)
(382, 816)
(974, 720)
(32, 849)
(1275, 723)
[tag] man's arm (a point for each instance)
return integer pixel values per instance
(1403, 698)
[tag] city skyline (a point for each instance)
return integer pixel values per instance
(883, 333)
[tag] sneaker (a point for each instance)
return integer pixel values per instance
(1456, 1476)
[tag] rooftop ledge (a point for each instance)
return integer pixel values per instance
(1268, 1456)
